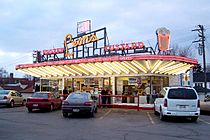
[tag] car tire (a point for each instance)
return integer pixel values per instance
(24, 103)
(92, 114)
(65, 115)
(30, 110)
(96, 110)
(162, 117)
(155, 112)
(194, 119)
(51, 107)
(11, 104)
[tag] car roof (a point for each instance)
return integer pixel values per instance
(7, 90)
(43, 92)
(174, 87)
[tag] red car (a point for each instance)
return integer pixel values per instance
(43, 100)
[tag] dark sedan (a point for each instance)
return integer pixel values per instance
(43, 100)
(79, 102)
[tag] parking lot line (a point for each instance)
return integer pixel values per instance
(150, 118)
(107, 113)
(203, 121)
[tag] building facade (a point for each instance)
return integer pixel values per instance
(89, 63)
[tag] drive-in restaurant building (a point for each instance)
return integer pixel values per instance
(88, 62)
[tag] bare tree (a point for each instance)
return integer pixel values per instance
(181, 51)
(29, 77)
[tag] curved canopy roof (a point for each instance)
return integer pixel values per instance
(108, 66)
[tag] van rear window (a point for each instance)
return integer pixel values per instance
(182, 93)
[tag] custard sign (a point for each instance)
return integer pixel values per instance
(78, 42)
(127, 46)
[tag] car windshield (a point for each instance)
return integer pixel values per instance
(182, 93)
(40, 95)
(82, 96)
(4, 92)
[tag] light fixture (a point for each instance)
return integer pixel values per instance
(139, 66)
(167, 65)
(109, 66)
(121, 67)
(94, 67)
(148, 65)
(70, 70)
(80, 69)
(130, 67)
(156, 65)
(101, 66)
(87, 68)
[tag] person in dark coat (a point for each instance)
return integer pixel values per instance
(65, 93)
(103, 98)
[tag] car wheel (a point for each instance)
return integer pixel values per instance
(162, 117)
(155, 112)
(51, 107)
(92, 114)
(65, 115)
(29, 110)
(194, 119)
(24, 103)
(11, 104)
(96, 110)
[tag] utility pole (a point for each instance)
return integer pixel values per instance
(201, 40)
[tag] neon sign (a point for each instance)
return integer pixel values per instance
(53, 51)
(78, 42)
(127, 46)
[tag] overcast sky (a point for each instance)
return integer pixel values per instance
(27, 25)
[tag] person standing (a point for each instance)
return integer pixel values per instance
(65, 93)
(154, 96)
(147, 91)
(103, 98)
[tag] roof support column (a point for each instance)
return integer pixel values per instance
(63, 84)
(40, 85)
(113, 79)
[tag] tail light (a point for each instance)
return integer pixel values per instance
(198, 103)
(88, 103)
(5, 97)
(65, 103)
(165, 103)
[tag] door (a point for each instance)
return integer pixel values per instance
(19, 98)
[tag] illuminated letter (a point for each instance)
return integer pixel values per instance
(68, 38)
(112, 48)
(127, 47)
(93, 38)
(123, 46)
(140, 45)
(106, 48)
(117, 47)
(134, 45)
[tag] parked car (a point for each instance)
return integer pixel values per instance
(43, 100)
(11, 98)
(178, 101)
(79, 102)
(207, 98)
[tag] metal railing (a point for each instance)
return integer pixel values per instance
(119, 101)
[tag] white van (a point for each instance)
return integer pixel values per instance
(177, 101)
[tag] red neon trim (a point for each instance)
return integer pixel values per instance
(110, 59)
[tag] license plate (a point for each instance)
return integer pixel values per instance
(182, 106)
(35, 105)
(75, 110)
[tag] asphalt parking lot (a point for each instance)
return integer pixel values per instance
(113, 124)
